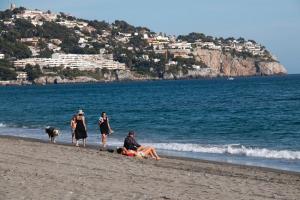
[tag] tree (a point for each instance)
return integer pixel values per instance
(123, 26)
(137, 41)
(25, 28)
(192, 37)
(33, 72)
(6, 72)
(46, 53)
(14, 49)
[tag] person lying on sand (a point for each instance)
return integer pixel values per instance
(131, 144)
(145, 153)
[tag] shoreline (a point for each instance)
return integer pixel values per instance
(28, 83)
(33, 169)
(94, 147)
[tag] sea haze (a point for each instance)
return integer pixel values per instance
(252, 121)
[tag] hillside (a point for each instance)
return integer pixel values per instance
(45, 47)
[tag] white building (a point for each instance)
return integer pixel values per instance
(79, 61)
(2, 56)
(37, 16)
(180, 45)
(209, 45)
(22, 76)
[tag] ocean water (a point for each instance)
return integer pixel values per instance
(251, 121)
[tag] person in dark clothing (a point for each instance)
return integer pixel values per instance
(105, 128)
(131, 147)
(130, 142)
(80, 130)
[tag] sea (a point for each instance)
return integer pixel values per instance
(249, 121)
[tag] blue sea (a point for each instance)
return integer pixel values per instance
(249, 121)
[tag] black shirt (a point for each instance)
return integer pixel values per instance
(131, 144)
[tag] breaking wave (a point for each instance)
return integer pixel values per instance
(233, 149)
(2, 125)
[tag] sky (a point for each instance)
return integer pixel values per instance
(273, 23)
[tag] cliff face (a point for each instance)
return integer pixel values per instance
(109, 76)
(57, 79)
(225, 64)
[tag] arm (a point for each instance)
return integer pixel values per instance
(100, 121)
(84, 124)
(110, 130)
(135, 143)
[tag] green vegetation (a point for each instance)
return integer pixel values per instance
(193, 37)
(33, 72)
(99, 25)
(25, 29)
(13, 48)
(123, 26)
(6, 71)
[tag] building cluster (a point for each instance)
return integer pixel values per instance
(159, 43)
(2, 56)
(88, 62)
(36, 17)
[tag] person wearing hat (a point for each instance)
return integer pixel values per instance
(80, 130)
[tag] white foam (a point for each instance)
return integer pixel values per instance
(2, 125)
(233, 149)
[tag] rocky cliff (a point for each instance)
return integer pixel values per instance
(109, 76)
(225, 64)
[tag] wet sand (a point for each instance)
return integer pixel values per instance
(31, 169)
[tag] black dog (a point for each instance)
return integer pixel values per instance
(52, 133)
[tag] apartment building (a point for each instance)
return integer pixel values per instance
(88, 62)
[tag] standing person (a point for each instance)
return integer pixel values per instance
(73, 127)
(80, 130)
(105, 128)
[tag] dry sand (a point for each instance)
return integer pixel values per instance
(36, 170)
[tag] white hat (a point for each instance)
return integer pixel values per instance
(80, 112)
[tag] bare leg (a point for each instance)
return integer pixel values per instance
(148, 152)
(104, 139)
(151, 151)
(73, 138)
(77, 143)
(155, 154)
(84, 142)
(151, 154)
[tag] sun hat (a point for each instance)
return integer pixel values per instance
(80, 112)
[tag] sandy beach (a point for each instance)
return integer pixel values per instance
(37, 170)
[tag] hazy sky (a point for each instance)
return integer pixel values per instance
(273, 23)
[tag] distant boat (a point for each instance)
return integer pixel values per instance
(230, 78)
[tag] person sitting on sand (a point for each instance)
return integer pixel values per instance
(130, 144)
(145, 153)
